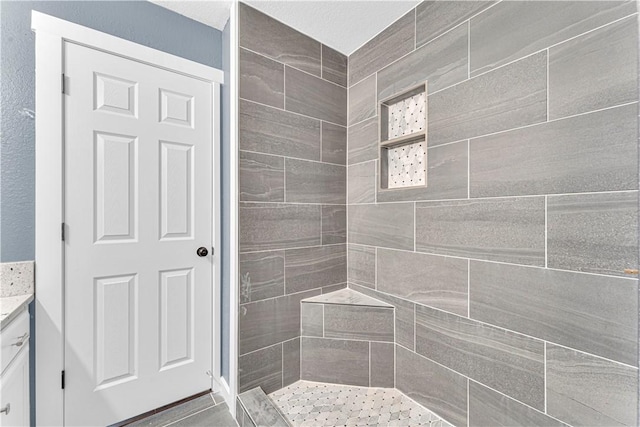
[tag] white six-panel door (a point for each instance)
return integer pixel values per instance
(138, 205)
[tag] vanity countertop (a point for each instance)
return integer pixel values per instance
(11, 306)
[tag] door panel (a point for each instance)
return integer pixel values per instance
(138, 204)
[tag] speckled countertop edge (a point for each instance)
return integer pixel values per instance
(11, 307)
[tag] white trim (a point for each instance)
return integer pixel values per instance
(51, 34)
(49, 253)
(234, 207)
(42, 23)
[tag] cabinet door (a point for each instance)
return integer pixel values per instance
(15, 391)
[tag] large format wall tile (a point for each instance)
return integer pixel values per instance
(363, 141)
(405, 314)
(362, 265)
(311, 319)
(262, 368)
(392, 43)
(290, 362)
(442, 62)
(433, 18)
(593, 232)
(312, 96)
(261, 79)
(387, 225)
(261, 178)
(508, 230)
(512, 96)
(490, 408)
(334, 224)
(513, 29)
(591, 313)
(382, 364)
(586, 390)
(334, 66)
(266, 226)
(261, 275)
(358, 322)
(447, 167)
(310, 268)
(272, 131)
(334, 143)
(263, 34)
(313, 182)
(335, 361)
(271, 321)
(362, 182)
(436, 281)
(437, 388)
(362, 100)
(508, 362)
(596, 70)
(587, 153)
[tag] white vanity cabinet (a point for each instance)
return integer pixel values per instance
(14, 380)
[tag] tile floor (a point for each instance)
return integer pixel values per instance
(307, 403)
(207, 410)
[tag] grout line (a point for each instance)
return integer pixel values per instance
(488, 198)
(284, 88)
(281, 364)
(340, 339)
(323, 320)
(292, 249)
(252, 202)
(292, 158)
(289, 111)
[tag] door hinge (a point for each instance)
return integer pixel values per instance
(62, 81)
(62, 379)
(62, 231)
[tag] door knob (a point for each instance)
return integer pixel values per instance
(202, 251)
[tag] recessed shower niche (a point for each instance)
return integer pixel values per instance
(403, 139)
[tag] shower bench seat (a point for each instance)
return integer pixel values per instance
(347, 338)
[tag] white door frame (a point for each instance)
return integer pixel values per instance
(51, 34)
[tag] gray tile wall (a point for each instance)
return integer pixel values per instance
(292, 138)
(507, 272)
(346, 343)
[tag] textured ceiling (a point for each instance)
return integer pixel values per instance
(214, 13)
(344, 25)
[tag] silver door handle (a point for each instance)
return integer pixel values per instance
(6, 409)
(21, 340)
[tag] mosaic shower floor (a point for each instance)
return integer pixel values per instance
(306, 403)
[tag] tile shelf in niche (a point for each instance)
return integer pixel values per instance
(403, 140)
